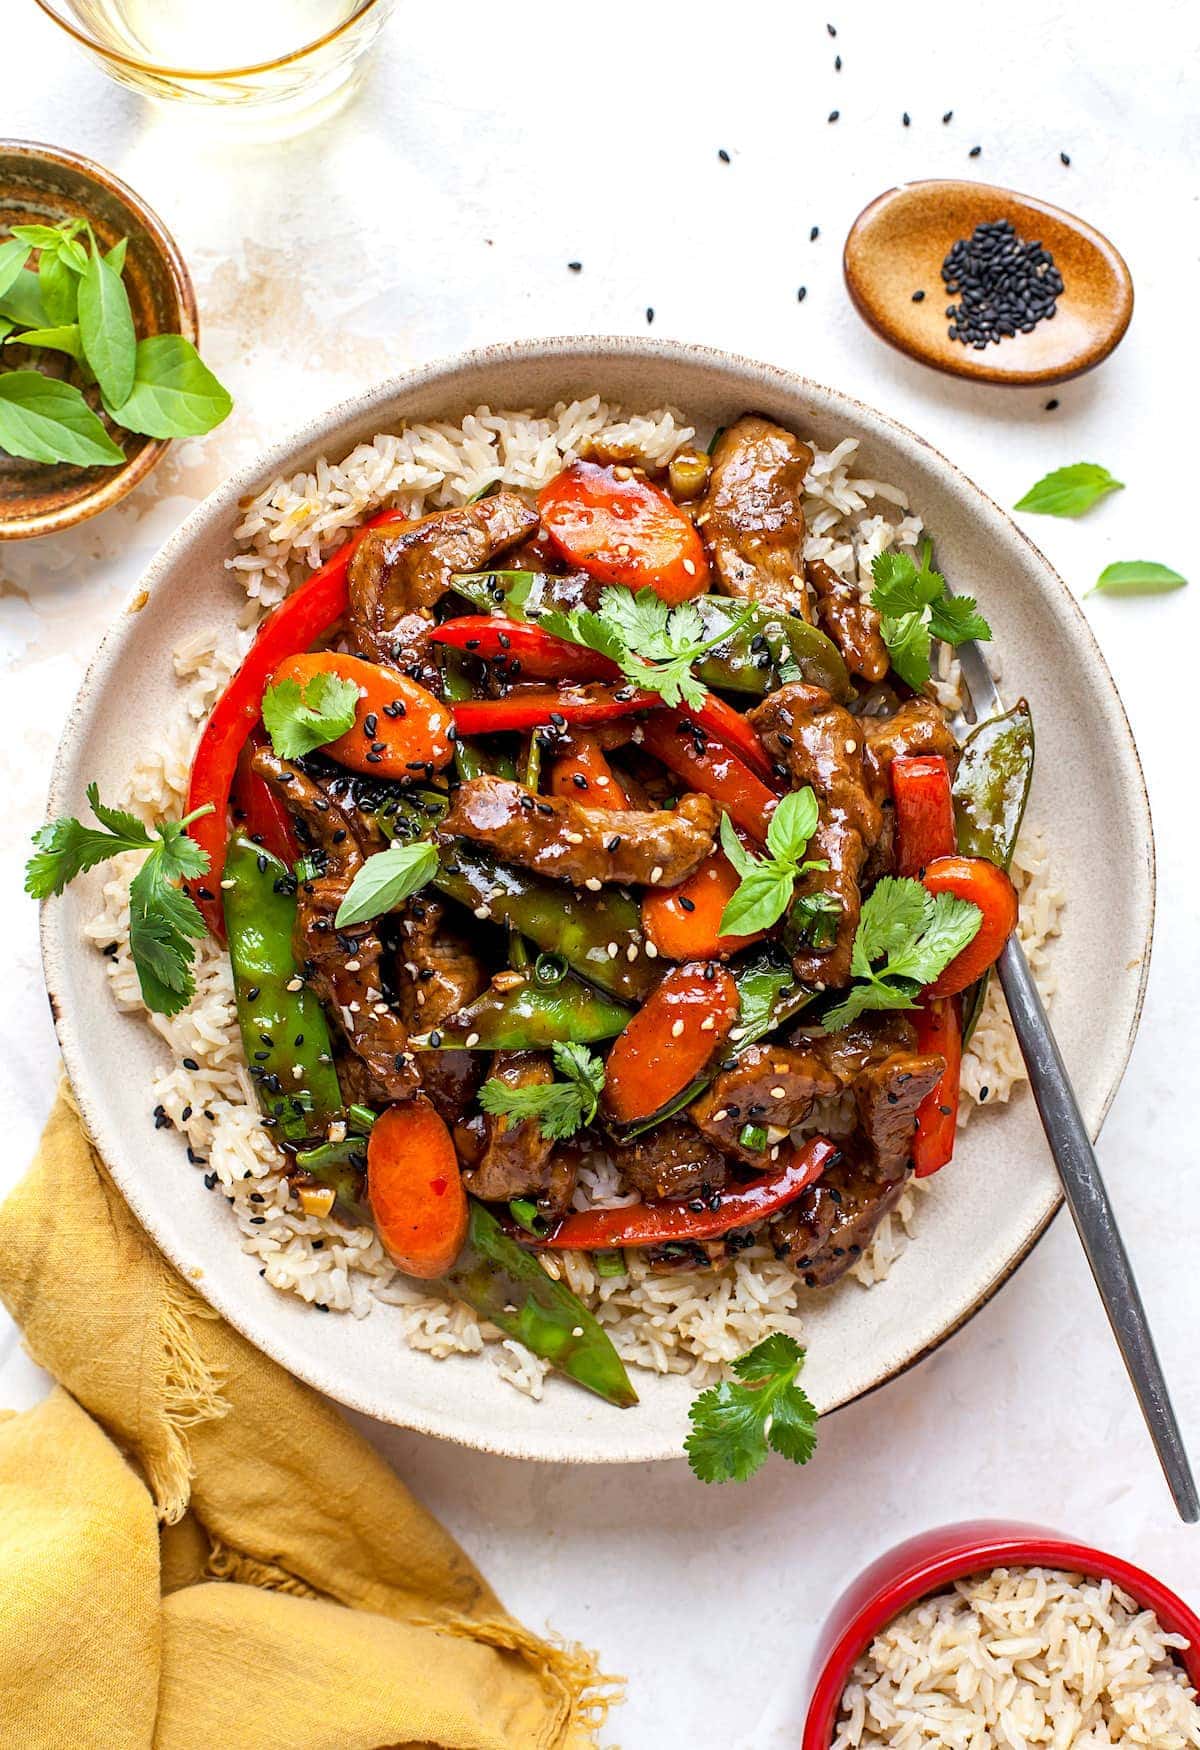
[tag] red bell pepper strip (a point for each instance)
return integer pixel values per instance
(924, 811)
(938, 1021)
(710, 768)
(525, 650)
(527, 708)
(656, 1224)
(729, 726)
(306, 615)
(257, 810)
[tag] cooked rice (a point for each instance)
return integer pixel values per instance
(668, 1322)
(1016, 1658)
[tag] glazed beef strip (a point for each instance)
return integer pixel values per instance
(887, 1095)
(587, 846)
(751, 517)
(671, 1160)
(341, 966)
(852, 623)
(439, 975)
(400, 573)
(831, 1223)
(820, 743)
(516, 1156)
(919, 726)
(771, 1085)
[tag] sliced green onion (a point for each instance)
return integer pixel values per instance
(610, 1263)
(550, 969)
(330, 1153)
(715, 439)
(305, 869)
(362, 1116)
(753, 1136)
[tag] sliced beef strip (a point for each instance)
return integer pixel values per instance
(851, 622)
(560, 837)
(438, 975)
(751, 516)
(516, 1156)
(887, 1095)
(400, 573)
(771, 1085)
(820, 743)
(864, 1042)
(831, 1223)
(341, 966)
(671, 1160)
(919, 726)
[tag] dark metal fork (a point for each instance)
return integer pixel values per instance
(1079, 1171)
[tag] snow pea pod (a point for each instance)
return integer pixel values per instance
(508, 1286)
(530, 1017)
(283, 1030)
(583, 928)
(990, 790)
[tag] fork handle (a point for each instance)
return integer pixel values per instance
(1092, 1214)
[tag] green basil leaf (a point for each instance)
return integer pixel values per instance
(22, 302)
(6, 328)
(792, 825)
(38, 236)
(116, 255)
(760, 900)
(13, 256)
(385, 880)
(59, 288)
(174, 393)
(1137, 577)
(106, 329)
(73, 255)
(1069, 491)
(56, 339)
(48, 421)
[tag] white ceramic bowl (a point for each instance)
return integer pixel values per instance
(982, 1215)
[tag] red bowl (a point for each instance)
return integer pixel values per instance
(936, 1559)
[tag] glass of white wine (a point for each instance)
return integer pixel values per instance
(273, 56)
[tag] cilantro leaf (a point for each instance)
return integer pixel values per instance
(767, 883)
(164, 921)
(1069, 491)
(654, 645)
(299, 719)
(915, 934)
(385, 880)
(561, 1108)
(914, 607)
(735, 1424)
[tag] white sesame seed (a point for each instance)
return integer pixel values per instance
(707, 1024)
(850, 745)
(651, 951)
(353, 965)
(472, 1040)
(297, 1071)
(420, 999)
(778, 1093)
(577, 1331)
(294, 984)
(573, 838)
(380, 1008)
(656, 874)
(592, 885)
(689, 565)
(355, 1008)
(613, 950)
(736, 1033)
(775, 1152)
(631, 953)
(228, 883)
(676, 1029)
(719, 1117)
(481, 911)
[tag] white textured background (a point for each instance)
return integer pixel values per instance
(439, 210)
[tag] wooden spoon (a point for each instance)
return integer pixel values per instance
(897, 245)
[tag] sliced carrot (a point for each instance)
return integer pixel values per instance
(415, 1190)
(616, 526)
(400, 730)
(684, 922)
(584, 775)
(989, 888)
(684, 1021)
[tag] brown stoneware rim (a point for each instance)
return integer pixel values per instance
(113, 486)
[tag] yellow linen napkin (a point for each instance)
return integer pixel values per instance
(197, 1551)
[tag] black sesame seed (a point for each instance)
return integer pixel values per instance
(975, 152)
(686, 903)
(190, 1063)
(837, 63)
(947, 117)
(370, 726)
(575, 266)
(210, 1180)
(723, 155)
(801, 294)
(833, 114)
(831, 29)
(906, 119)
(1064, 157)
(918, 297)
(649, 312)
(814, 233)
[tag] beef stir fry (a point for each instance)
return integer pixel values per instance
(601, 839)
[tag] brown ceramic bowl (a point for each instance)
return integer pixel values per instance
(896, 247)
(43, 185)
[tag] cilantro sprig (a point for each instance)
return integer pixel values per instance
(654, 645)
(301, 718)
(164, 922)
(767, 883)
(735, 1424)
(914, 607)
(561, 1108)
(914, 934)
